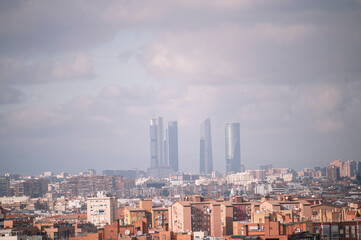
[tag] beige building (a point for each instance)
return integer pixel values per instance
(185, 217)
(213, 218)
(302, 207)
(347, 169)
(101, 210)
(133, 214)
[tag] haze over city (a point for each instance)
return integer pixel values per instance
(80, 82)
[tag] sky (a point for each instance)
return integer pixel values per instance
(80, 81)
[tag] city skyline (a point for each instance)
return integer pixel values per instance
(180, 120)
(79, 81)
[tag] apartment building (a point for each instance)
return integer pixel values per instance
(101, 210)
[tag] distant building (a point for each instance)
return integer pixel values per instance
(358, 168)
(48, 174)
(4, 186)
(333, 172)
(163, 151)
(347, 169)
(172, 145)
(266, 167)
(90, 172)
(350, 168)
(33, 188)
(205, 156)
(156, 143)
(101, 210)
(233, 148)
(125, 173)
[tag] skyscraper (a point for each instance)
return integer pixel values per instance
(233, 148)
(172, 145)
(163, 151)
(156, 142)
(205, 156)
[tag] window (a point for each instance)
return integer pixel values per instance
(347, 231)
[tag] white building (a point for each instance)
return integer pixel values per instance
(101, 210)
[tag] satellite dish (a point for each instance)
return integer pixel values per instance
(139, 233)
(127, 232)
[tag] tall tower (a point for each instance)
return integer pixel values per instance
(205, 156)
(233, 148)
(172, 145)
(156, 143)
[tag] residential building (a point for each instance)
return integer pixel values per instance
(133, 214)
(4, 186)
(333, 172)
(159, 217)
(33, 188)
(101, 210)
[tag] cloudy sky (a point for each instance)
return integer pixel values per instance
(80, 80)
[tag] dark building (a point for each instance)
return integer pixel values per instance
(4, 187)
(332, 172)
(33, 188)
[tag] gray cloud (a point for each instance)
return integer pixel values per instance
(9, 95)
(15, 71)
(288, 71)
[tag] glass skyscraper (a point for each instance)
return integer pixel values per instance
(233, 148)
(163, 151)
(172, 145)
(156, 142)
(205, 156)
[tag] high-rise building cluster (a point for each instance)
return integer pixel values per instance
(163, 148)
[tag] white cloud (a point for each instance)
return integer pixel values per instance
(328, 125)
(18, 70)
(82, 67)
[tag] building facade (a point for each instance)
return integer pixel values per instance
(163, 151)
(4, 187)
(205, 156)
(233, 148)
(172, 145)
(156, 142)
(101, 210)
